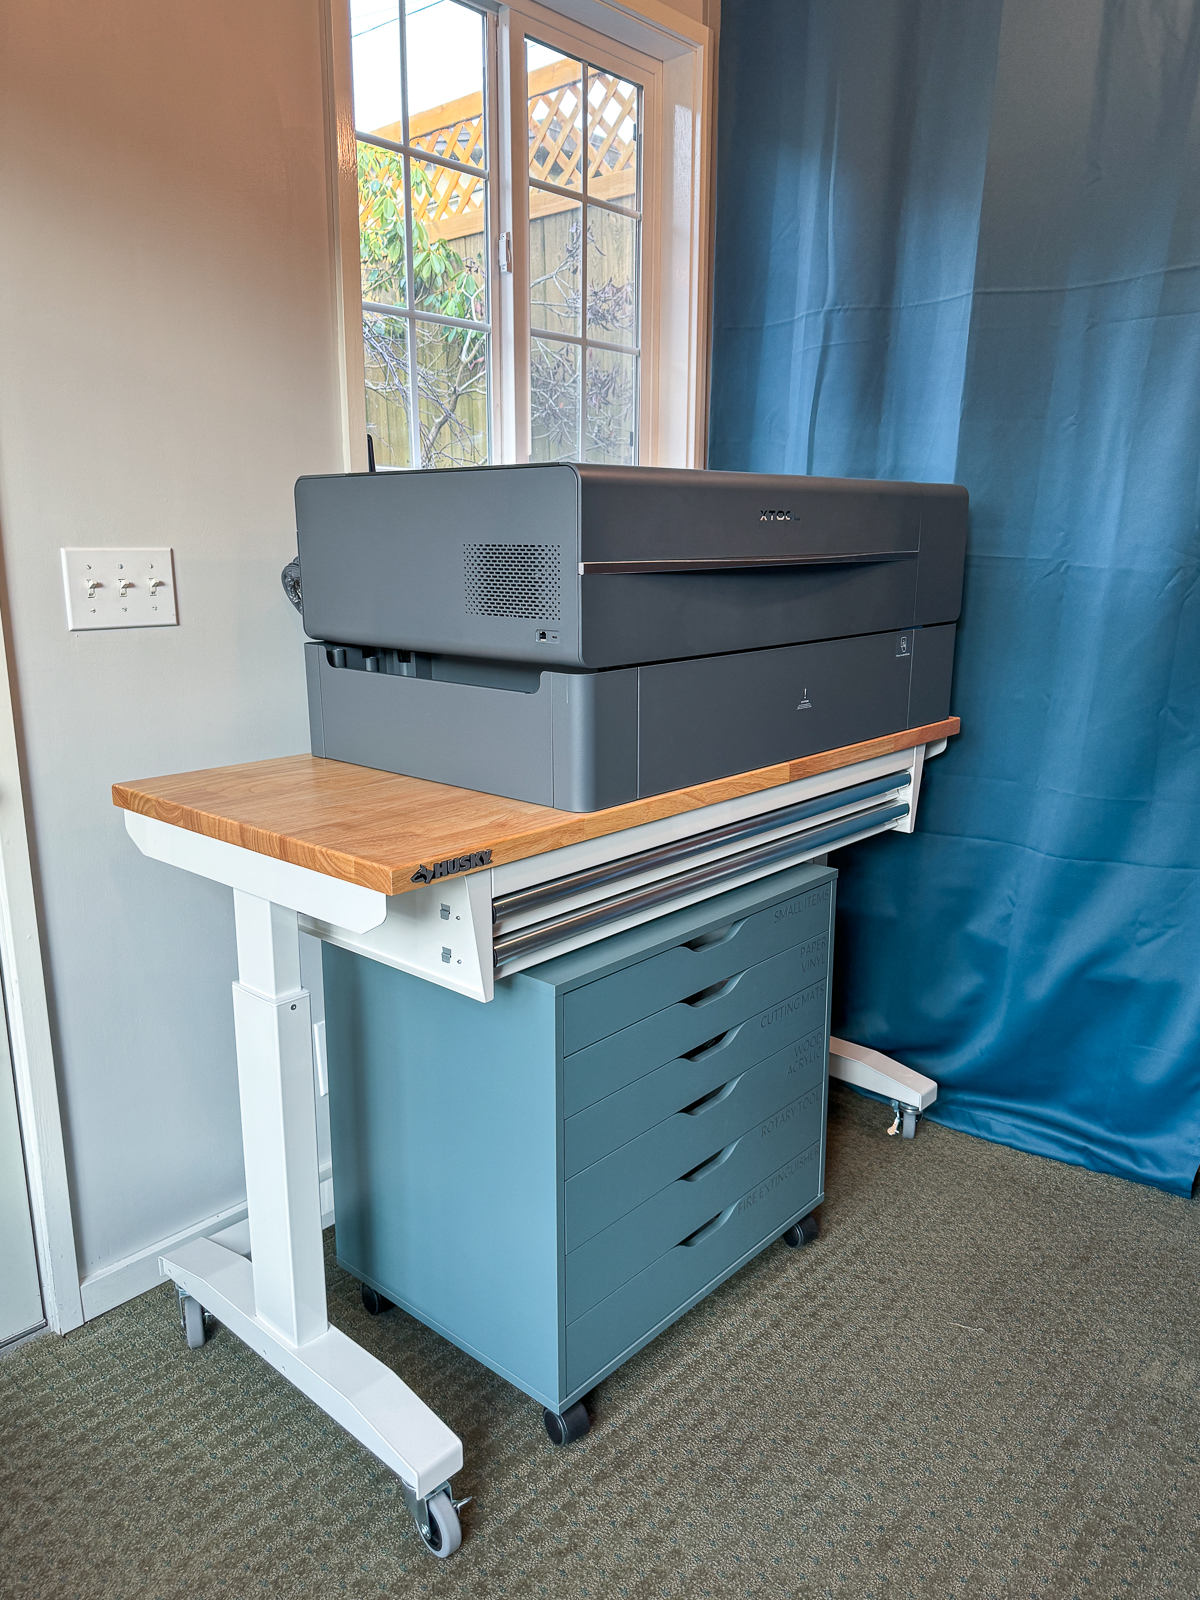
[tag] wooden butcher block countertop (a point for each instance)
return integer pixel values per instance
(378, 829)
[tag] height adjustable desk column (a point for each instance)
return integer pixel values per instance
(459, 888)
(275, 1302)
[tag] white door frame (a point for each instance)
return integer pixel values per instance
(29, 1036)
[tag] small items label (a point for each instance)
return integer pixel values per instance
(904, 643)
(793, 908)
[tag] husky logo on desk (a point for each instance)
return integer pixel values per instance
(444, 869)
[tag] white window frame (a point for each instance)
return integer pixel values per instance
(527, 19)
(672, 57)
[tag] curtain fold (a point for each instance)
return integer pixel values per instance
(971, 251)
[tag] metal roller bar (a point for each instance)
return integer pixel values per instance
(542, 934)
(523, 900)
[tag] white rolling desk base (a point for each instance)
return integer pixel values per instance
(275, 1301)
(346, 1381)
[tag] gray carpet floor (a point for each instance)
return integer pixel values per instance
(984, 1379)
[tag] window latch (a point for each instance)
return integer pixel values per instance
(504, 251)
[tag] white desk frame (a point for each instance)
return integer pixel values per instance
(275, 1301)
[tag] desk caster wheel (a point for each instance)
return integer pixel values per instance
(572, 1425)
(806, 1231)
(374, 1303)
(908, 1125)
(193, 1321)
(441, 1532)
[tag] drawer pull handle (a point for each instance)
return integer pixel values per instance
(719, 1041)
(711, 1165)
(718, 936)
(710, 1227)
(715, 991)
(707, 1101)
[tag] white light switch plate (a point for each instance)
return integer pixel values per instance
(119, 589)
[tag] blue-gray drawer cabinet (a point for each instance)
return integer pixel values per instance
(643, 1165)
(550, 1179)
(691, 1202)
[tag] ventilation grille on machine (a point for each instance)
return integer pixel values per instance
(512, 580)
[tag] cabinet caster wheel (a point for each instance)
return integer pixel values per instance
(443, 1533)
(908, 1125)
(193, 1321)
(374, 1303)
(806, 1231)
(572, 1425)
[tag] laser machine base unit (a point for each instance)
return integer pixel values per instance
(585, 636)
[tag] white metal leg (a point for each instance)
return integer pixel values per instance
(275, 1301)
(273, 1028)
(346, 1381)
(909, 1092)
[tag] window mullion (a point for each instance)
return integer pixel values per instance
(593, 199)
(584, 161)
(516, 145)
(427, 316)
(420, 154)
(410, 341)
(491, 277)
(414, 414)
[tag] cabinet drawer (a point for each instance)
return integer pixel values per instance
(611, 1003)
(788, 990)
(593, 1133)
(662, 1290)
(609, 1188)
(613, 1256)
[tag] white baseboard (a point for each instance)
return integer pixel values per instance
(134, 1274)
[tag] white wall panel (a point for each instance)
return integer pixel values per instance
(169, 369)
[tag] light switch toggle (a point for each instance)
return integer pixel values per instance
(124, 588)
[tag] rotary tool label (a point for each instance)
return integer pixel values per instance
(789, 1113)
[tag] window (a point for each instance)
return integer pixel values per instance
(509, 290)
(584, 259)
(424, 190)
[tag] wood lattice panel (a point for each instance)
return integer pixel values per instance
(452, 205)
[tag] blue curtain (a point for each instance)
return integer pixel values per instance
(962, 242)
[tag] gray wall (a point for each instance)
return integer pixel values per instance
(168, 370)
